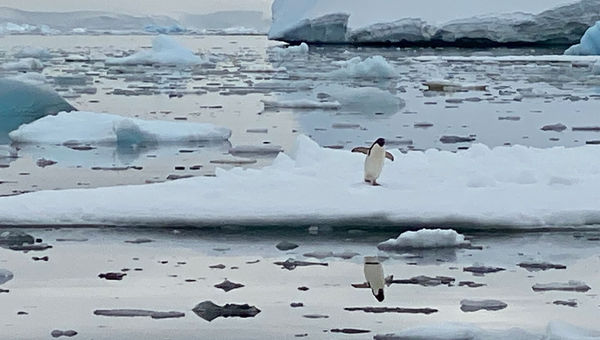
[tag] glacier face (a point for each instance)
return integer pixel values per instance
(23, 102)
(561, 25)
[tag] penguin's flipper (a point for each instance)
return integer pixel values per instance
(361, 149)
(387, 155)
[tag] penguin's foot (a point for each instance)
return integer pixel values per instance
(375, 184)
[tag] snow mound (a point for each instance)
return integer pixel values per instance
(372, 67)
(98, 128)
(467, 22)
(165, 50)
(425, 238)
(25, 99)
(431, 187)
(589, 44)
(26, 64)
(556, 330)
(300, 104)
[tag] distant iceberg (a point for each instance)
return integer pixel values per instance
(465, 23)
(589, 44)
(103, 128)
(517, 187)
(165, 50)
(24, 100)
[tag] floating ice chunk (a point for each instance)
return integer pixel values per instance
(426, 238)
(26, 64)
(476, 305)
(33, 52)
(289, 52)
(91, 127)
(589, 44)
(596, 68)
(165, 50)
(571, 286)
(5, 276)
(300, 104)
(372, 67)
(363, 99)
(24, 99)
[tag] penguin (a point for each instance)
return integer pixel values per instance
(374, 276)
(376, 155)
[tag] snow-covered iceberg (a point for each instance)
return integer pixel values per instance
(515, 186)
(24, 101)
(589, 44)
(165, 50)
(101, 128)
(466, 22)
(372, 67)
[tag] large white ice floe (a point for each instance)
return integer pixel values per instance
(589, 44)
(514, 186)
(425, 238)
(299, 104)
(556, 330)
(165, 50)
(98, 128)
(469, 22)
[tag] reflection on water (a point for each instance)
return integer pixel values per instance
(116, 155)
(374, 276)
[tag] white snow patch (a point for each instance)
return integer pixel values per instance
(589, 44)
(426, 238)
(165, 50)
(300, 104)
(91, 127)
(372, 67)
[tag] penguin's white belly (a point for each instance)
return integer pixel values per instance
(374, 163)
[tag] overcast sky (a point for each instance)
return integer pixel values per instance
(141, 6)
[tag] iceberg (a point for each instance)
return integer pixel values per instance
(25, 100)
(102, 128)
(432, 187)
(589, 44)
(465, 23)
(165, 50)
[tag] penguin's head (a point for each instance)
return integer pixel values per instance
(380, 141)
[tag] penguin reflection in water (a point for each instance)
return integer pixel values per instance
(374, 276)
(376, 155)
